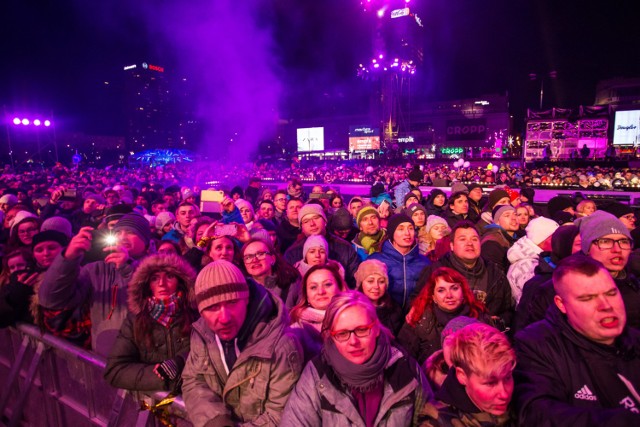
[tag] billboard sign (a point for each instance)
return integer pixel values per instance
(466, 130)
(362, 138)
(310, 139)
(626, 130)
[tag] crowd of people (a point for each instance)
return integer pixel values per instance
(277, 307)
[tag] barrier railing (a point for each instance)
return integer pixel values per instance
(48, 381)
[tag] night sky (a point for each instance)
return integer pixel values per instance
(286, 54)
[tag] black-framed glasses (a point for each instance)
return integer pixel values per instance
(604, 244)
(258, 255)
(343, 335)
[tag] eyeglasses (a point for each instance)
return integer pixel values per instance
(603, 244)
(360, 332)
(258, 255)
(280, 199)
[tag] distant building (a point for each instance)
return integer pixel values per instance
(618, 92)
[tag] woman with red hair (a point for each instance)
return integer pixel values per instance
(446, 296)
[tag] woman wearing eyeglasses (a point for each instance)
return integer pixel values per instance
(267, 267)
(360, 378)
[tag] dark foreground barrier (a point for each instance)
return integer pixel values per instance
(46, 381)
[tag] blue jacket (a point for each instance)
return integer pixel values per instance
(400, 191)
(403, 271)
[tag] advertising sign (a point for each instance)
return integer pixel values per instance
(466, 130)
(626, 130)
(363, 138)
(310, 139)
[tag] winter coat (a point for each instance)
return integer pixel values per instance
(454, 408)
(400, 191)
(403, 271)
(390, 315)
(132, 359)
(453, 218)
(339, 250)
(363, 254)
(494, 244)
(523, 256)
(259, 383)
(564, 379)
(68, 286)
(543, 273)
(320, 399)
(488, 283)
(287, 234)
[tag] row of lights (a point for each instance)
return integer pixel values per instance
(26, 122)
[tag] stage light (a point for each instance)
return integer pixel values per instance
(16, 121)
(36, 122)
(47, 123)
(25, 122)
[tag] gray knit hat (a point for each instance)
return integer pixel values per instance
(219, 281)
(598, 224)
(311, 209)
(498, 211)
(315, 242)
(163, 218)
(135, 223)
(57, 223)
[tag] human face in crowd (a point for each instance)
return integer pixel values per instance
(411, 200)
(156, 208)
(280, 201)
(313, 225)
(522, 215)
(476, 194)
(16, 263)
(336, 203)
(266, 211)
(185, 214)
(258, 260)
(200, 231)
(509, 221)
(46, 252)
(589, 208)
(131, 242)
(374, 287)
(226, 318)
(293, 208)
(357, 350)
(370, 224)
(439, 200)
(629, 220)
(354, 207)
(491, 394)
(577, 244)
(316, 256)
(8, 219)
(614, 259)
(317, 189)
(460, 206)
(419, 218)
(438, 231)
(26, 231)
(89, 206)
(221, 248)
(168, 199)
(593, 305)
(246, 214)
(321, 287)
(404, 237)
(141, 201)
(112, 198)
(447, 296)
(168, 226)
(466, 245)
(167, 249)
(163, 284)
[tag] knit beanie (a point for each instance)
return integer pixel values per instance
(219, 281)
(57, 223)
(377, 189)
(562, 241)
(413, 208)
(434, 220)
(98, 198)
(50, 236)
(20, 217)
(311, 209)
(617, 209)
(599, 224)
(539, 229)
(366, 211)
(499, 210)
(455, 324)
(135, 223)
(9, 199)
(117, 212)
(163, 218)
(557, 204)
(529, 193)
(370, 267)
(314, 241)
(410, 195)
(341, 220)
(416, 174)
(513, 194)
(242, 203)
(473, 186)
(457, 187)
(395, 221)
(495, 196)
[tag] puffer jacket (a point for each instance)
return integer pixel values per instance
(132, 359)
(523, 256)
(256, 389)
(564, 379)
(319, 398)
(404, 271)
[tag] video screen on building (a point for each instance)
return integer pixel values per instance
(311, 139)
(363, 138)
(626, 130)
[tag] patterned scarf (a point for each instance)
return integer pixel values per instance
(164, 310)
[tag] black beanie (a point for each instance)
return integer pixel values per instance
(50, 236)
(341, 220)
(557, 204)
(416, 174)
(495, 196)
(562, 241)
(617, 209)
(395, 221)
(529, 193)
(135, 223)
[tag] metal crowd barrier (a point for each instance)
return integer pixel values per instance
(47, 381)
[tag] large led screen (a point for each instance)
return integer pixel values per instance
(626, 129)
(311, 139)
(364, 138)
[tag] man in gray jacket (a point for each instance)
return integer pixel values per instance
(244, 360)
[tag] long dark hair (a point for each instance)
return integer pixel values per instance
(285, 273)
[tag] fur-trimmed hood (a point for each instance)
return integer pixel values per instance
(139, 283)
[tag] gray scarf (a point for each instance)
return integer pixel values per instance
(361, 378)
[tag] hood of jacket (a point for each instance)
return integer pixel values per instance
(523, 248)
(139, 285)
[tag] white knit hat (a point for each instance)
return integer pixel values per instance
(315, 242)
(539, 229)
(311, 209)
(220, 281)
(163, 218)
